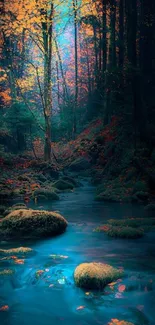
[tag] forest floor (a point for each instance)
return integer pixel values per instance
(119, 173)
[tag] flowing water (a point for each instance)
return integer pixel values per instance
(49, 297)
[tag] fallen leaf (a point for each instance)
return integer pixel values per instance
(19, 261)
(80, 307)
(4, 308)
(121, 288)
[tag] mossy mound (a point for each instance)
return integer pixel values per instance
(130, 222)
(95, 275)
(150, 207)
(119, 322)
(43, 194)
(111, 191)
(121, 232)
(70, 180)
(13, 208)
(18, 250)
(79, 164)
(32, 223)
(63, 185)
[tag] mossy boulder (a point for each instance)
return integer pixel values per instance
(17, 251)
(140, 186)
(32, 223)
(70, 180)
(63, 185)
(44, 194)
(132, 222)
(150, 207)
(140, 196)
(95, 275)
(41, 178)
(79, 165)
(121, 232)
(14, 207)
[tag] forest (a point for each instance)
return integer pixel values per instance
(77, 162)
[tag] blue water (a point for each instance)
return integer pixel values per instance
(52, 298)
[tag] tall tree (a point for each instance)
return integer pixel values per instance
(76, 66)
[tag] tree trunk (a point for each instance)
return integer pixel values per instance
(121, 34)
(112, 47)
(131, 11)
(47, 30)
(104, 34)
(76, 68)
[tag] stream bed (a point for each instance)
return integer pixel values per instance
(42, 291)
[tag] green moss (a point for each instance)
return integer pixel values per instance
(150, 207)
(32, 223)
(132, 222)
(122, 232)
(95, 275)
(140, 187)
(140, 196)
(63, 185)
(43, 194)
(13, 208)
(70, 180)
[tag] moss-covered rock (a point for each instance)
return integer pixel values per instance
(140, 196)
(44, 194)
(121, 232)
(18, 250)
(95, 275)
(79, 165)
(32, 223)
(63, 185)
(13, 208)
(150, 207)
(140, 186)
(70, 180)
(132, 222)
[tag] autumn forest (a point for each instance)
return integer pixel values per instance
(77, 162)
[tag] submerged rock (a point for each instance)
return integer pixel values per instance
(32, 223)
(95, 275)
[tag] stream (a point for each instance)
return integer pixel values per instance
(50, 297)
